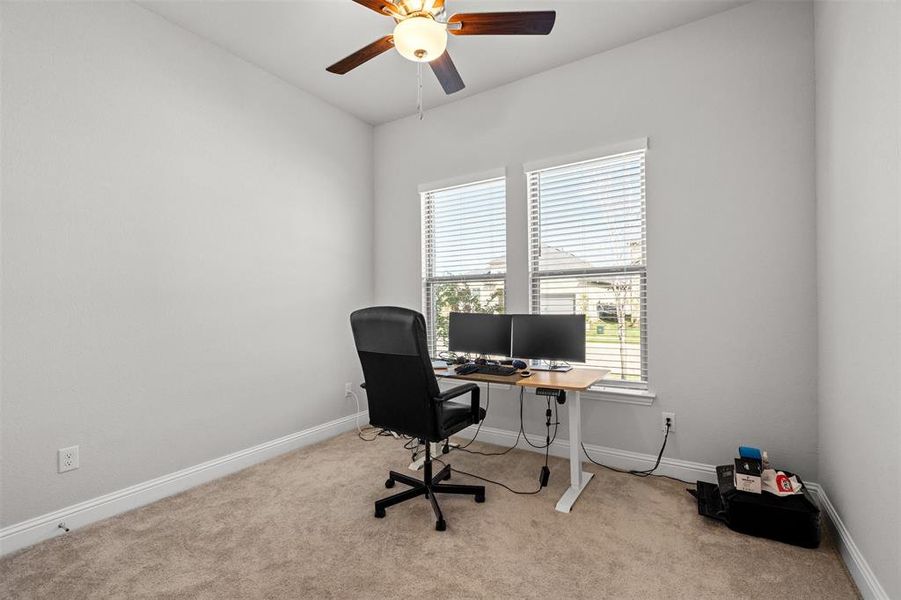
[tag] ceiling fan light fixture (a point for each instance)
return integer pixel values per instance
(420, 39)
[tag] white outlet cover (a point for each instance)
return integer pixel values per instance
(67, 459)
(672, 417)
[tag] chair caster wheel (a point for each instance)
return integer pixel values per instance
(380, 513)
(389, 483)
(440, 525)
(480, 498)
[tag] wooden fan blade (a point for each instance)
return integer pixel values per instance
(447, 74)
(379, 6)
(539, 22)
(362, 55)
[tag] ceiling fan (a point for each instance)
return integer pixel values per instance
(421, 36)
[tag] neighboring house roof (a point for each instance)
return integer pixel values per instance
(561, 259)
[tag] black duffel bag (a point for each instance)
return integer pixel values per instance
(790, 519)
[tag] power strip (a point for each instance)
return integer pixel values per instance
(559, 395)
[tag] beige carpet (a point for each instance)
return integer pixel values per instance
(301, 526)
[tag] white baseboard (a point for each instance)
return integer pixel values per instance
(860, 570)
(621, 459)
(26, 533)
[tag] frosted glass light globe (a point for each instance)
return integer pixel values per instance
(420, 39)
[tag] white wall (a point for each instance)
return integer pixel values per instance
(858, 131)
(727, 103)
(183, 238)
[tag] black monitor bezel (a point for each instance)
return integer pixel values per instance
(517, 351)
(484, 350)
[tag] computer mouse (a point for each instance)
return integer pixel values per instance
(525, 373)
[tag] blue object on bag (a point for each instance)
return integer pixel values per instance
(749, 452)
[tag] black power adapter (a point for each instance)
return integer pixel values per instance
(545, 475)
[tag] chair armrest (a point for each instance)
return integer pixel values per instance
(466, 388)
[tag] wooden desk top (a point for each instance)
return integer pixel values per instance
(576, 379)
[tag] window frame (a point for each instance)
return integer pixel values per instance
(637, 392)
(429, 281)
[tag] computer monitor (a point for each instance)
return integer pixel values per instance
(549, 337)
(479, 333)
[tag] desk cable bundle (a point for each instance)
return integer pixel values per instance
(545, 470)
(560, 396)
(415, 446)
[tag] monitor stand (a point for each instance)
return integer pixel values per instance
(550, 366)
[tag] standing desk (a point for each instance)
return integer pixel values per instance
(574, 382)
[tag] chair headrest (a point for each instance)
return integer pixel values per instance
(388, 330)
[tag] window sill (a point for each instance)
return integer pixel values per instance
(621, 395)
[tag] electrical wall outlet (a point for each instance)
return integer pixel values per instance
(67, 459)
(672, 421)
(348, 389)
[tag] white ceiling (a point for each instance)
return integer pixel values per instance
(296, 40)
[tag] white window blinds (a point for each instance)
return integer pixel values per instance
(587, 255)
(464, 253)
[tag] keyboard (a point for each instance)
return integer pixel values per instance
(502, 370)
(466, 369)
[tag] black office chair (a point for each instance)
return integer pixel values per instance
(404, 397)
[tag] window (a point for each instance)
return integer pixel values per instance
(464, 253)
(587, 255)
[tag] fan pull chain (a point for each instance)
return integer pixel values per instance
(419, 90)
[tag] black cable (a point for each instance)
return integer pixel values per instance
(382, 433)
(547, 448)
(638, 473)
(646, 472)
(675, 479)
(523, 432)
(486, 480)
(625, 472)
(479, 452)
(415, 448)
(547, 452)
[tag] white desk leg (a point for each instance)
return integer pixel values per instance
(578, 478)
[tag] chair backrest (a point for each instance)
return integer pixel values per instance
(400, 381)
